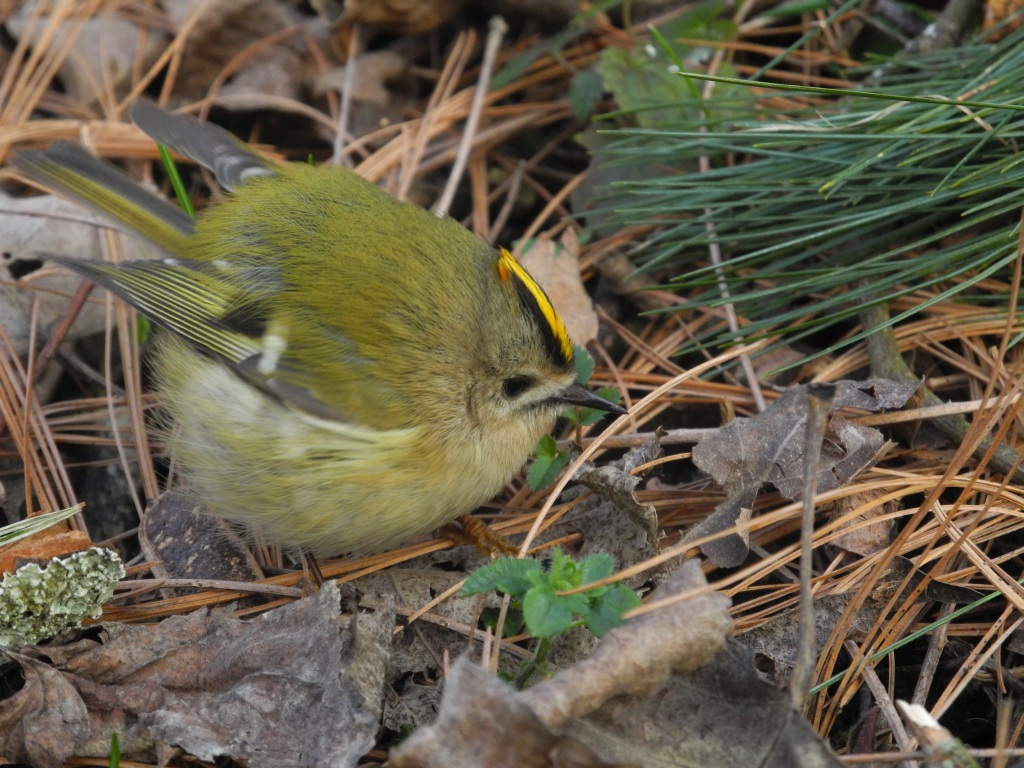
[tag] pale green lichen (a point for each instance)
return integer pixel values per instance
(38, 603)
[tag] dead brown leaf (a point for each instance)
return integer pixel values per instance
(719, 716)
(267, 691)
(483, 722)
(769, 448)
(778, 638)
(556, 268)
(620, 488)
(404, 16)
(865, 533)
(226, 29)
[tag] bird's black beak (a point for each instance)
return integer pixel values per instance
(578, 395)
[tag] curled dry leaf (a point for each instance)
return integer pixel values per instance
(722, 714)
(483, 722)
(620, 488)
(769, 448)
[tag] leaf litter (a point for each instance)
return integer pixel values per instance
(280, 689)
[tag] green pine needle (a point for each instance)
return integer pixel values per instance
(875, 195)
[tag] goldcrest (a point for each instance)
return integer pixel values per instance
(345, 372)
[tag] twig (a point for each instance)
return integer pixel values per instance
(903, 739)
(682, 436)
(136, 587)
(495, 35)
(510, 198)
(819, 397)
(346, 94)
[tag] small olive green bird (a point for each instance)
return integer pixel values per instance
(345, 371)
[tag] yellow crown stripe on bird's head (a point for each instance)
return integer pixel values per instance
(537, 304)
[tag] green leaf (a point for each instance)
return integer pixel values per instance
(584, 364)
(143, 328)
(645, 85)
(607, 612)
(514, 623)
(546, 448)
(564, 573)
(545, 469)
(703, 20)
(596, 567)
(585, 90)
(511, 575)
(545, 613)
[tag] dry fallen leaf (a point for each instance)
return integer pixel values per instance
(279, 690)
(719, 716)
(556, 268)
(408, 17)
(620, 488)
(220, 31)
(484, 722)
(865, 533)
(32, 227)
(769, 448)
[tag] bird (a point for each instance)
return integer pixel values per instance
(345, 372)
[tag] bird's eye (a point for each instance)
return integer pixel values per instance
(514, 386)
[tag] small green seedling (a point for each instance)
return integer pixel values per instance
(535, 594)
(548, 613)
